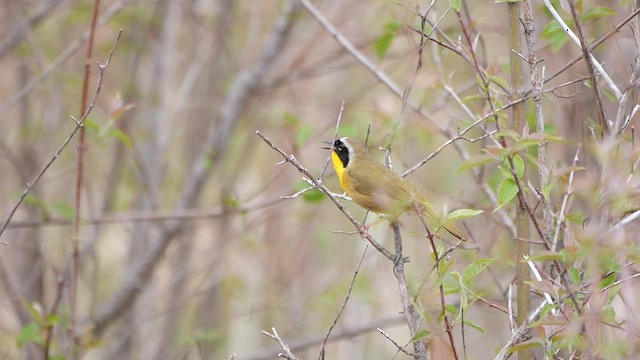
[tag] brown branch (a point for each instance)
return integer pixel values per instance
(448, 328)
(75, 234)
(586, 54)
(341, 334)
(78, 123)
(344, 304)
(594, 45)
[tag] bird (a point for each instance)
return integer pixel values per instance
(375, 187)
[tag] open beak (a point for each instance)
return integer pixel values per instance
(328, 143)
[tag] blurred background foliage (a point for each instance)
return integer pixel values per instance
(176, 177)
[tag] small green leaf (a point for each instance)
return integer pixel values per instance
(474, 325)
(30, 333)
(64, 210)
(383, 43)
(476, 268)
(597, 12)
(303, 135)
(421, 335)
(290, 119)
(507, 191)
(607, 281)
(609, 314)
(555, 34)
(545, 255)
(475, 161)
(575, 276)
(463, 214)
(526, 345)
(120, 135)
(518, 164)
(500, 82)
(456, 4)
(311, 196)
(576, 218)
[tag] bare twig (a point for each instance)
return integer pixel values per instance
(346, 332)
(580, 42)
(520, 333)
(78, 125)
(410, 313)
(344, 304)
(443, 306)
(53, 310)
(400, 348)
(333, 139)
(565, 200)
(287, 353)
(592, 63)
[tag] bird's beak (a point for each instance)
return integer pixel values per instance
(328, 143)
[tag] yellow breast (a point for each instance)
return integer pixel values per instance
(341, 171)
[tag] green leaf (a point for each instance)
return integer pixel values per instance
(500, 82)
(526, 345)
(383, 43)
(597, 12)
(290, 119)
(90, 124)
(555, 34)
(463, 214)
(608, 280)
(474, 325)
(64, 210)
(476, 268)
(518, 165)
(30, 333)
(475, 161)
(545, 255)
(507, 191)
(455, 4)
(609, 314)
(311, 196)
(303, 135)
(421, 335)
(574, 275)
(120, 135)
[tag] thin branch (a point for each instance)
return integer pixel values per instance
(400, 348)
(517, 336)
(78, 124)
(591, 63)
(565, 200)
(410, 313)
(580, 42)
(287, 352)
(344, 304)
(75, 233)
(346, 332)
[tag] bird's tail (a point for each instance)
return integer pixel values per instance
(427, 210)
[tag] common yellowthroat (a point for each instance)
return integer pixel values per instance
(374, 187)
